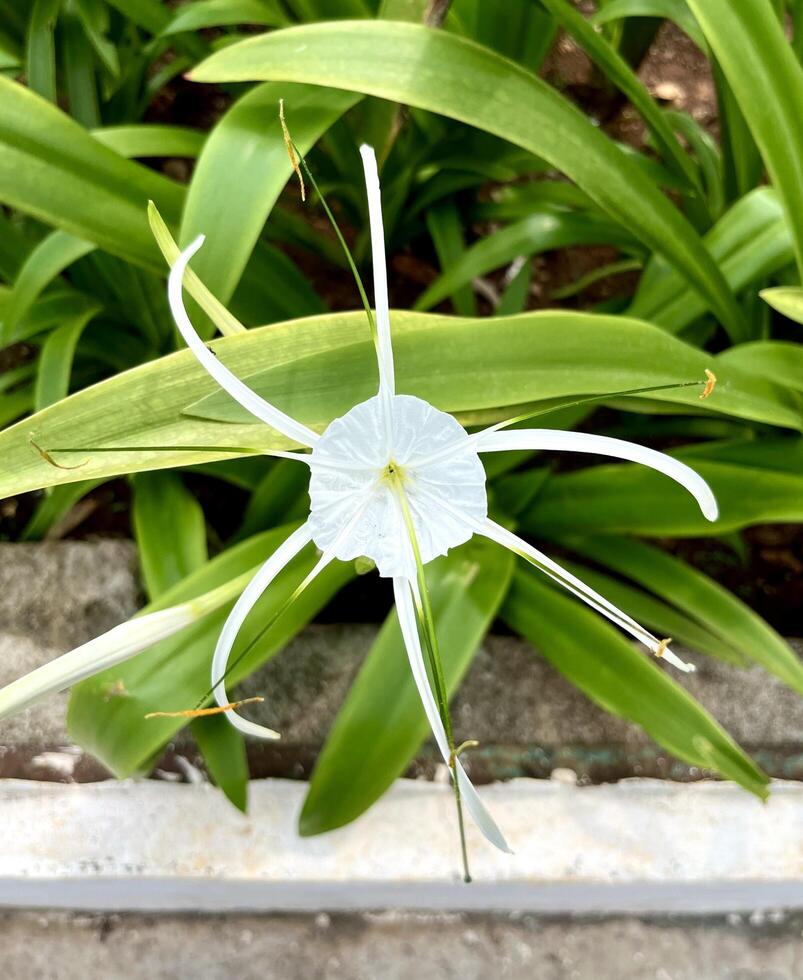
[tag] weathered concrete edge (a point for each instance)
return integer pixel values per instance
(639, 846)
(212, 897)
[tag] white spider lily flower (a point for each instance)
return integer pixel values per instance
(394, 480)
(392, 469)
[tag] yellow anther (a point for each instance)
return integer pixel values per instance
(662, 647)
(710, 384)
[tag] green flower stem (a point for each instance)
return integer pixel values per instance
(426, 621)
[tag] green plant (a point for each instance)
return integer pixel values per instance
(80, 267)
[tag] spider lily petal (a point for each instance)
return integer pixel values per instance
(494, 441)
(402, 591)
(250, 596)
(283, 555)
(387, 384)
(113, 647)
(576, 586)
(238, 390)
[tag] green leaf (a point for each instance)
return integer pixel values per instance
(657, 614)
(220, 13)
(106, 713)
(622, 680)
(713, 606)
(79, 70)
(223, 749)
(749, 241)
(56, 359)
(14, 404)
(541, 232)
(785, 299)
(151, 140)
(94, 18)
(56, 252)
(226, 322)
(381, 724)
(241, 171)
(629, 499)
(608, 59)
(280, 496)
(674, 10)
(170, 530)
(446, 230)
(517, 292)
(778, 360)
(54, 170)
(767, 81)
(318, 368)
(55, 505)
(428, 69)
(40, 58)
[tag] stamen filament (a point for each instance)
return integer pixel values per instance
(203, 712)
(450, 450)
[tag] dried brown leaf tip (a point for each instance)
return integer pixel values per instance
(710, 383)
(203, 712)
(288, 142)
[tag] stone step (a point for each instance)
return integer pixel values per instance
(528, 719)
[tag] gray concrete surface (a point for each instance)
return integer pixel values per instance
(394, 946)
(56, 595)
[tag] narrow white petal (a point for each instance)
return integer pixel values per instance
(674, 659)
(112, 648)
(387, 384)
(238, 390)
(577, 587)
(583, 442)
(250, 596)
(404, 606)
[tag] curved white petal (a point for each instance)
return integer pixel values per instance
(577, 587)
(583, 442)
(113, 647)
(284, 554)
(404, 606)
(387, 384)
(238, 390)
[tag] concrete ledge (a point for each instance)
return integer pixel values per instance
(642, 846)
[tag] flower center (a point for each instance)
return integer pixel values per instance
(362, 464)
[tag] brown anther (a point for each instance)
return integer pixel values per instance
(203, 712)
(710, 384)
(291, 150)
(662, 647)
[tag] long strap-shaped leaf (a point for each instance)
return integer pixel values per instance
(452, 76)
(51, 168)
(767, 80)
(241, 171)
(586, 650)
(317, 368)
